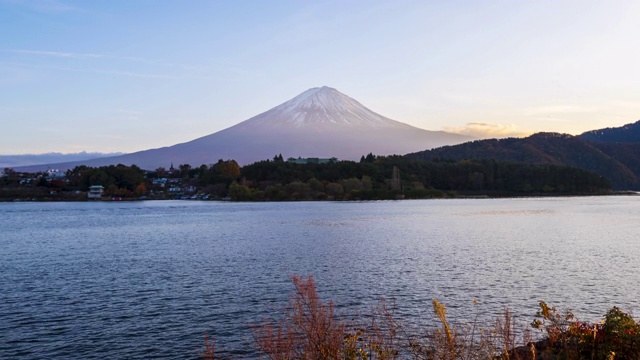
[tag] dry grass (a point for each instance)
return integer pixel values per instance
(209, 349)
(310, 329)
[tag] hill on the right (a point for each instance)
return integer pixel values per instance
(613, 153)
(629, 133)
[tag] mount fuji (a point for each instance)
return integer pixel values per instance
(320, 122)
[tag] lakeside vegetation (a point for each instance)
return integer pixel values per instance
(372, 178)
(309, 328)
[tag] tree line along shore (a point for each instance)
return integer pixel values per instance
(277, 179)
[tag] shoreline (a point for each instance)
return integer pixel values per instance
(449, 197)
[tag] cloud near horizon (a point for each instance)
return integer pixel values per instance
(486, 130)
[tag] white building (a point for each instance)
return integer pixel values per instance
(55, 174)
(95, 192)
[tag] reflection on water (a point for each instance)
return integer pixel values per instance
(149, 279)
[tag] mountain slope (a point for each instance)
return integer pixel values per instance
(625, 134)
(550, 148)
(320, 122)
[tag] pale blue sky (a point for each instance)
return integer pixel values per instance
(132, 75)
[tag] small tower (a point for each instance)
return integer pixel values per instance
(395, 179)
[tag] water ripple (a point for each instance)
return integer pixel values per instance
(150, 279)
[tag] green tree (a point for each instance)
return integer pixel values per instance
(238, 192)
(298, 190)
(334, 190)
(315, 185)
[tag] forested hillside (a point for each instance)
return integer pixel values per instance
(618, 163)
(629, 133)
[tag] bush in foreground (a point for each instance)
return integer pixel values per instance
(310, 329)
(617, 336)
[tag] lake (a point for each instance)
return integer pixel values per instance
(150, 279)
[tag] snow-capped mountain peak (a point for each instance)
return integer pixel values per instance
(318, 108)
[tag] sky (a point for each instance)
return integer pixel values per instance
(123, 76)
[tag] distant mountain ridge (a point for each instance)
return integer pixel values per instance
(320, 122)
(618, 163)
(11, 161)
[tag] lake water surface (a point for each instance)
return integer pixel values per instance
(149, 279)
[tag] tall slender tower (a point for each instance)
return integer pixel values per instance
(395, 179)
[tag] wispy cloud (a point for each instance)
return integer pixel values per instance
(128, 112)
(73, 55)
(113, 72)
(169, 70)
(55, 54)
(96, 71)
(43, 6)
(128, 74)
(130, 115)
(94, 56)
(9, 108)
(486, 130)
(559, 110)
